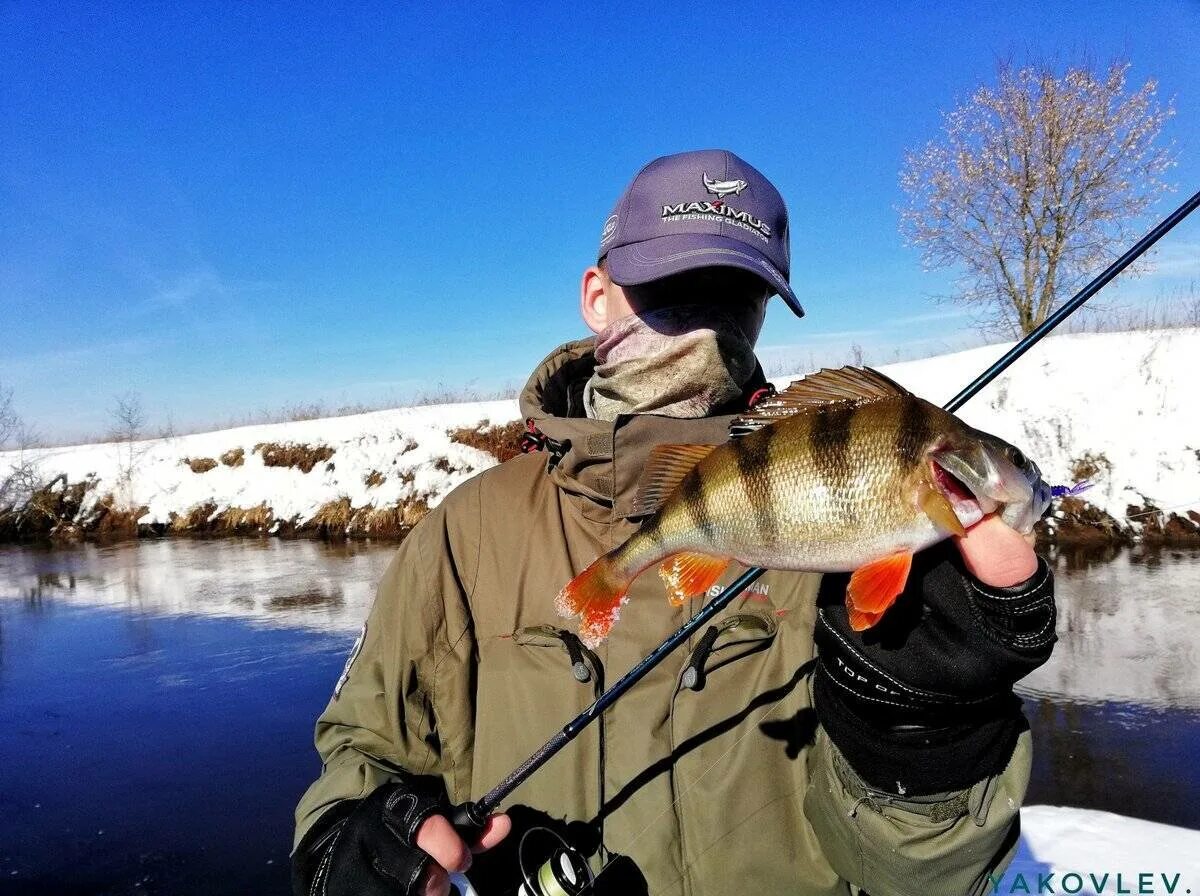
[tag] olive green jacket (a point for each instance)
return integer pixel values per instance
(463, 671)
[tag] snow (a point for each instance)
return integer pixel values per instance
(1087, 842)
(1130, 396)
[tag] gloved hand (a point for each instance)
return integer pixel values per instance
(922, 703)
(394, 842)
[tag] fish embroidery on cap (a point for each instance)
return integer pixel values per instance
(723, 188)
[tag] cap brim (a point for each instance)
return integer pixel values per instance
(650, 260)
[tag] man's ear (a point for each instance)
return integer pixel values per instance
(593, 300)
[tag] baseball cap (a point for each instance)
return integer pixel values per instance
(694, 210)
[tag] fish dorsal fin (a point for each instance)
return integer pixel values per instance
(859, 385)
(665, 469)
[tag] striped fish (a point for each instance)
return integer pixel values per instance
(843, 471)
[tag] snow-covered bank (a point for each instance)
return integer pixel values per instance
(1093, 853)
(1126, 399)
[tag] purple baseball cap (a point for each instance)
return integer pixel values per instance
(695, 210)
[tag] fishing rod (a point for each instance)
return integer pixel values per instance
(469, 818)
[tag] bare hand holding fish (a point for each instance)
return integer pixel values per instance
(844, 470)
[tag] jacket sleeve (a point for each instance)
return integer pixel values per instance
(405, 701)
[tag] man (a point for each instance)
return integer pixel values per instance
(784, 753)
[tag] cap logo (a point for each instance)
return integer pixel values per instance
(610, 228)
(723, 188)
(716, 210)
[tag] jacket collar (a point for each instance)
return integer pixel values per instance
(603, 460)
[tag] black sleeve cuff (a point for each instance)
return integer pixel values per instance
(1022, 616)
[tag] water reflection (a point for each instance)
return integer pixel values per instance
(1127, 624)
(298, 584)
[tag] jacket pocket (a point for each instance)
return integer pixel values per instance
(736, 636)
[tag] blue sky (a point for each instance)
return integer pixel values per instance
(229, 207)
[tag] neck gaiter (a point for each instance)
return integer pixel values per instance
(682, 361)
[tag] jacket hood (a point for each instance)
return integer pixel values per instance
(603, 460)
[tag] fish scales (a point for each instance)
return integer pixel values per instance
(816, 487)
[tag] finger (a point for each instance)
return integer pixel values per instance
(436, 883)
(436, 836)
(494, 831)
(997, 554)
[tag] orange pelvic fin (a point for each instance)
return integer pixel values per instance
(595, 595)
(665, 469)
(687, 574)
(874, 587)
(860, 621)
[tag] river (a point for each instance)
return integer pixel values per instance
(158, 700)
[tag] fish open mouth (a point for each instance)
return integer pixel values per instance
(950, 485)
(965, 502)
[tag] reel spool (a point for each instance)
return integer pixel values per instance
(565, 873)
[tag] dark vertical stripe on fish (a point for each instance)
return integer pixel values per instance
(692, 492)
(913, 431)
(829, 438)
(830, 433)
(751, 453)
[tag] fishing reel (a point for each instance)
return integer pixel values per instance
(564, 873)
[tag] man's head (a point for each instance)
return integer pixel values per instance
(699, 228)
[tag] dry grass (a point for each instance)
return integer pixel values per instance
(338, 520)
(290, 454)
(444, 465)
(234, 457)
(1077, 522)
(446, 394)
(256, 520)
(502, 441)
(51, 512)
(332, 519)
(1091, 466)
(194, 520)
(388, 522)
(374, 479)
(1160, 528)
(109, 522)
(199, 464)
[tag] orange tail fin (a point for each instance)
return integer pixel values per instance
(874, 587)
(595, 595)
(688, 574)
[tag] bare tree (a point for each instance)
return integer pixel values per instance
(19, 473)
(9, 421)
(129, 425)
(1034, 182)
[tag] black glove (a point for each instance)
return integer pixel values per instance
(368, 847)
(922, 702)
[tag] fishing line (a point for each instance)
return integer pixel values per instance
(1192, 503)
(469, 818)
(750, 729)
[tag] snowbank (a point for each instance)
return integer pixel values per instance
(1127, 396)
(1092, 844)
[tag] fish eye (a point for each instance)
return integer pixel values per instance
(1015, 455)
